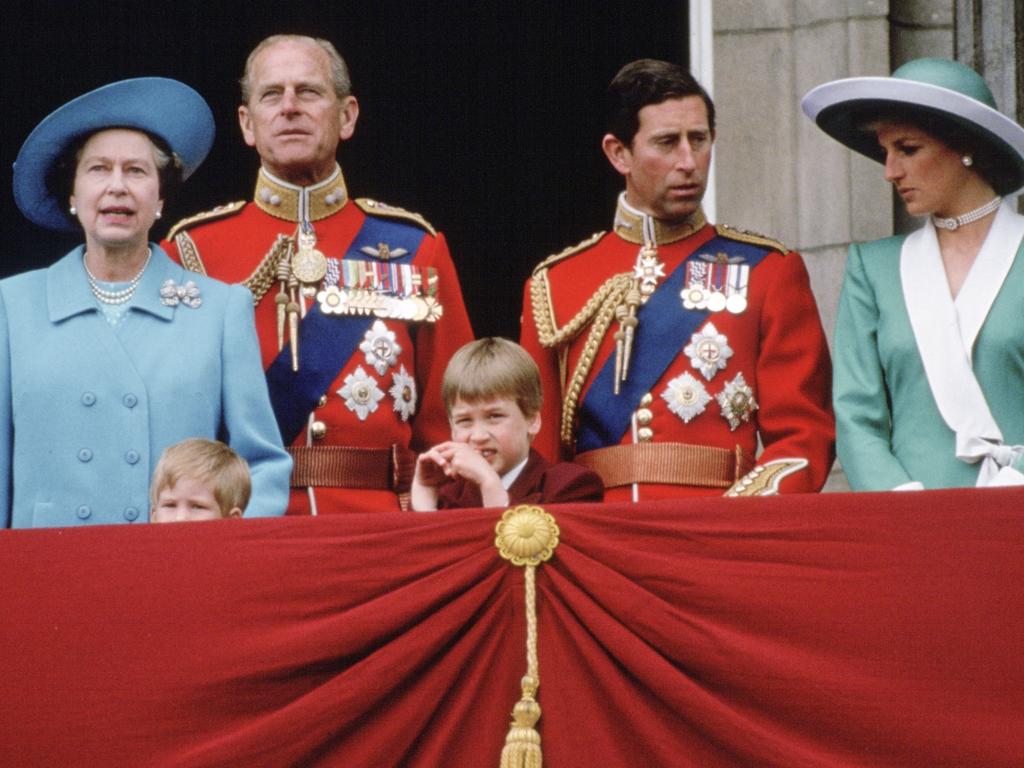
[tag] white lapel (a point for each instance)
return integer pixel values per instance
(944, 341)
(988, 273)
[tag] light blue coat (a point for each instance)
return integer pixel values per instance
(86, 408)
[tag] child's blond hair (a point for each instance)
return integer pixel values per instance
(492, 367)
(207, 461)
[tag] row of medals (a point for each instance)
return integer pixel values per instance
(309, 266)
(700, 293)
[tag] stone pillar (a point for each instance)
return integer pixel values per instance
(919, 28)
(777, 173)
(990, 38)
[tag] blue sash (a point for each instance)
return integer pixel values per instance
(327, 343)
(665, 327)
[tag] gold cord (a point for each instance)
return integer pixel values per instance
(526, 536)
(599, 311)
(265, 274)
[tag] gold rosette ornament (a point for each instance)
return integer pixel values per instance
(526, 536)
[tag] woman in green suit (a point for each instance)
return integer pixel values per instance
(929, 360)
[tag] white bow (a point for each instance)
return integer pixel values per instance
(996, 460)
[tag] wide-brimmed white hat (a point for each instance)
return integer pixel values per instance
(933, 89)
(157, 105)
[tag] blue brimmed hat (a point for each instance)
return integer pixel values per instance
(934, 89)
(157, 105)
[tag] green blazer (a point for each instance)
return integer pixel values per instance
(888, 428)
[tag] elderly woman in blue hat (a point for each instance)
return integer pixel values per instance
(929, 360)
(115, 352)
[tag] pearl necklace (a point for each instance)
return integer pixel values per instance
(115, 297)
(967, 218)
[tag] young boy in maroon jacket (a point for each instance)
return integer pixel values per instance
(491, 390)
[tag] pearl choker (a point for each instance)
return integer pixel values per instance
(969, 217)
(120, 296)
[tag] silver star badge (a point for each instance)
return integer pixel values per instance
(686, 397)
(361, 393)
(708, 351)
(380, 347)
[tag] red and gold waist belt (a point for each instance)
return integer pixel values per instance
(667, 463)
(345, 466)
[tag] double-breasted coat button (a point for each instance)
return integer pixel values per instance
(83, 512)
(131, 514)
(85, 455)
(132, 457)
(130, 400)
(88, 398)
(318, 429)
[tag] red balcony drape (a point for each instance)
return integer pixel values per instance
(834, 630)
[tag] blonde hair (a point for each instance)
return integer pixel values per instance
(210, 462)
(492, 367)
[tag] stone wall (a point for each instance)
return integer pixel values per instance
(776, 172)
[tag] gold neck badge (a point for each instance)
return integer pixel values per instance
(635, 226)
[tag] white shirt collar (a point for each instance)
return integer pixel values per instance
(510, 477)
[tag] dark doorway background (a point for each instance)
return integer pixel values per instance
(485, 117)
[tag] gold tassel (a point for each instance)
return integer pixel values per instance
(281, 300)
(522, 744)
(526, 536)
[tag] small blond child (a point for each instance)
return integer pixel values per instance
(199, 479)
(492, 393)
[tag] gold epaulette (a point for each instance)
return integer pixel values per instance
(571, 250)
(217, 213)
(377, 208)
(750, 237)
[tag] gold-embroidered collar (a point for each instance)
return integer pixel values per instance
(293, 203)
(629, 225)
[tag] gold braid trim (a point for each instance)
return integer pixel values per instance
(583, 245)
(750, 237)
(265, 274)
(377, 208)
(599, 311)
(189, 253)
(764, 479)
(217, 213)
(605, 314)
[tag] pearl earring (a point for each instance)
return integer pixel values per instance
(72, 210)
(159, 214)
(967, 160)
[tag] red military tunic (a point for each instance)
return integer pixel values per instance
(776, 344)
(400, 400)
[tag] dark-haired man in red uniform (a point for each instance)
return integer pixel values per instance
(358, 306)
(671, 349)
